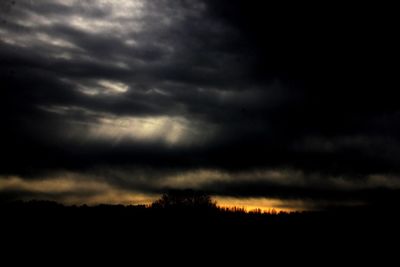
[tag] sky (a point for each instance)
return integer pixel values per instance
(290, 107)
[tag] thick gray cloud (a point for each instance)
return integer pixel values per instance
(198, 85)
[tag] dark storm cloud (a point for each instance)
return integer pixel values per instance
(226, 85)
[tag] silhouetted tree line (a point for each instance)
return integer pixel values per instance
(190, 219)
(186, 208)
(185, 199)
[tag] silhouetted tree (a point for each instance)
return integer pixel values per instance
(185, 199)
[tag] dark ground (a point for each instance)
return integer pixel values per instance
(106, 230)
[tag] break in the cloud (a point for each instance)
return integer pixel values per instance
(265, 189)
(168, 88)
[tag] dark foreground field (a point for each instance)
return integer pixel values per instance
(51, 226)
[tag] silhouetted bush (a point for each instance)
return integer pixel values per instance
(185, 199)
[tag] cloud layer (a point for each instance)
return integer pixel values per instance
(185, 87)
